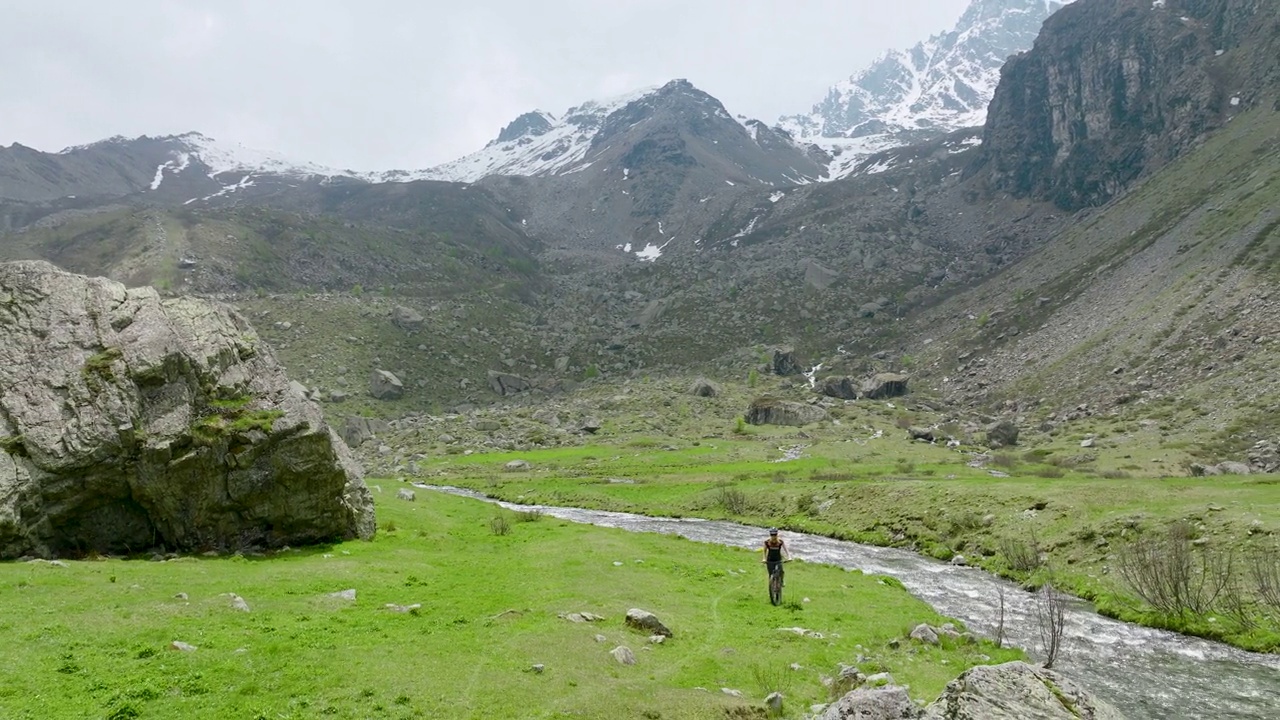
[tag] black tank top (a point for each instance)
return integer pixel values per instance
(773, 550)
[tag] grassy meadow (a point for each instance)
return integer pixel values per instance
(93, 638)
(1023, 513)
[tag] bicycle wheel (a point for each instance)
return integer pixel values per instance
(775, 588)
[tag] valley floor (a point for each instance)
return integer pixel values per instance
(454, 613)
(1011, 513)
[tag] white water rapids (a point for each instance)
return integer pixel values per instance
(1147, 674)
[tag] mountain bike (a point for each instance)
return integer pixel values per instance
(775, 582)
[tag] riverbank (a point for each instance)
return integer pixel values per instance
(1013, 515)
(453, 614)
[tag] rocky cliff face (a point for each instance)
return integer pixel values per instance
(129, 423)
(1115, 88)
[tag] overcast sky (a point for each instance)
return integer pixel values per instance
(377, 84)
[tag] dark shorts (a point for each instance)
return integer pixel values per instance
(773, 566)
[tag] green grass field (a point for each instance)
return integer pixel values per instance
(92, 639)
(917, 496)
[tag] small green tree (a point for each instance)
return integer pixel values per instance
(753, 377)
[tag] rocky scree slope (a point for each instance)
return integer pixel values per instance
(657, 172)
(128, 423)
(419, 238)
(1161, 306)
(1116, 88)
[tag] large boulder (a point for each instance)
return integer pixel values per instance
(885, 385)
(130, 422)
(772, 411)
(838, 387)
(1017, 691)
(507, 384)
(356, 429)
(703, 387)
(1002, 434)
(384, 385)
(407, 319)
(785, 362)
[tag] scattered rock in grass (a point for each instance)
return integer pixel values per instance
(181, 646)
(803, 632)
(988, 520)
(1233, 468)
(657, 639)
(948, 631)
(731, 692)
(238, 603)
(623, 655)
(879, 680)
(774, 702)
(406, 494)
(924, 633)
(920, 433)
(403, 608)
(646, 621)
(537, 668)
(581, 617)
(349, 594)
(517, 466)
(180, 596)
(589, 425)
(601, 638)
(958, 560)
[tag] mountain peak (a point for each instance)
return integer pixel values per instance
(941, 85)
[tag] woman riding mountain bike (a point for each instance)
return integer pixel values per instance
(775, 553)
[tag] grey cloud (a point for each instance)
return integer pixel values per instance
(396, 83)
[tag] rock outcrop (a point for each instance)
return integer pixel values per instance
(1012, 691)
(1017, 691)
(786, 362)
(507, 384)
(1117, 88)
(128, 422)
(772, 411)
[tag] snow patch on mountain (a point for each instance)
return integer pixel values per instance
(557, 145)
(942, 84)
(174, 166)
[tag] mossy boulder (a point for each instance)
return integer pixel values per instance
(130, 423)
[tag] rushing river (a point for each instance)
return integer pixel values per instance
(1147, 674)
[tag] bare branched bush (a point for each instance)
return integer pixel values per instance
(772, 677)
(732, 500)
(1264, 570)
(1022, 555)
(1167, 572)
(499, 525)
(1051, 614)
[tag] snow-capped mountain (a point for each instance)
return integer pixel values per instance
(540, 143)
(536, 143)
(942, 84)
